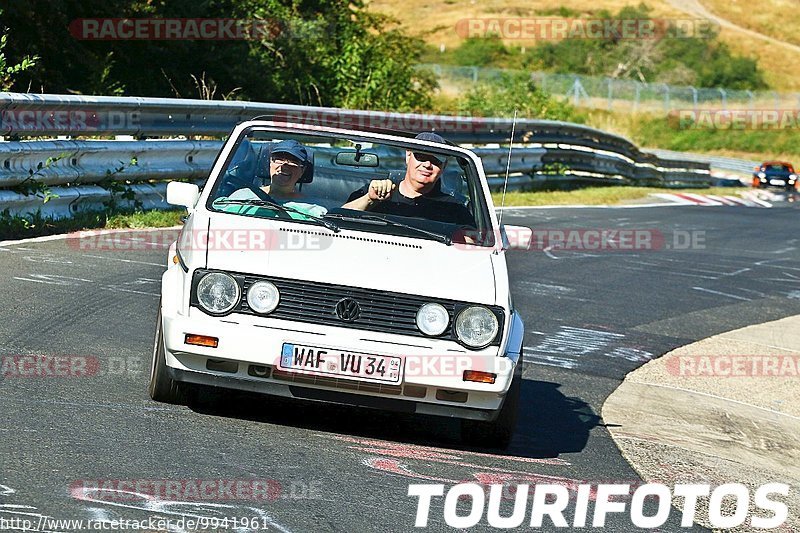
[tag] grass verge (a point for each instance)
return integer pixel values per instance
(17, 227)
(596, 195)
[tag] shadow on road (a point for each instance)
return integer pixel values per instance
(549, 423)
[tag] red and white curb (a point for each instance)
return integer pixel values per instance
(747, 199)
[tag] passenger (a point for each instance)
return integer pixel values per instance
(418, 195)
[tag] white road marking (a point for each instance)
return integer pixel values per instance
(565, 347)
(127, 260)
(122, 289)
(721, 293)
(53, 279)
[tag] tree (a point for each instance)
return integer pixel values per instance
(7, 72)
(322, 52)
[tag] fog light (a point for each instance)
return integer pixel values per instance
(201, 340)
(479, 377)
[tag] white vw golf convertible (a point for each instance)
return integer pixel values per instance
(348, 267)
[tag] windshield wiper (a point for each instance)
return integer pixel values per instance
(266, 203)
(383, 221)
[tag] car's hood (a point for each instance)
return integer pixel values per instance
(351, 258)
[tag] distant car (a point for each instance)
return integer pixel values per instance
(775, 174)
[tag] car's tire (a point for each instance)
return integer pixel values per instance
(162, 387)
(498, 433)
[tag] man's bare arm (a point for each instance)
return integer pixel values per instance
(378, 191)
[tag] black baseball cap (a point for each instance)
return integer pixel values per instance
(293, 148)
(430, 136)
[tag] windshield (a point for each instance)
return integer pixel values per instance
(777, 168)
(354, 183)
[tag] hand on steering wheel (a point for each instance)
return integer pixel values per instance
(260, 194)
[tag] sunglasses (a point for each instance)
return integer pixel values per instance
(286, 162)
(432, 159)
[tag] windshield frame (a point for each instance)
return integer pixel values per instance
(485, 218)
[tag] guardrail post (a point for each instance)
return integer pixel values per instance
(752, 100)
(636, 98)
(610, 82)
(666, 97)
(474, 74)
(694, 98)
(724, 98)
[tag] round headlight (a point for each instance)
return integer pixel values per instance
(218, 292)
(263, 297)
(432, 319)
(476, 326)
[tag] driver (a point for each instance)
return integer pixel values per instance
(418, 195)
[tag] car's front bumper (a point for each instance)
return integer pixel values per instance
(249, 349)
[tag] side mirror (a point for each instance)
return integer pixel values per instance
(182, 194)
(516, 237)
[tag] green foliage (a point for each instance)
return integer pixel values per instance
(663, 133)
(7, 72)
(560, 11)
(120, 190)
(31, 186)
(515, 92)
(320, 52)
(700, 60)
(36, 225)
(481, 52)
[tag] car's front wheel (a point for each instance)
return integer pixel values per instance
(162, 387)
(498, 433)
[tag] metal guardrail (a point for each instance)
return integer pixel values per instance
(542, 148)
(739, 166)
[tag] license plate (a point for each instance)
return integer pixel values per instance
(777, 182)
(317, 360)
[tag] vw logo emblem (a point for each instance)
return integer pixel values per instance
(347, 309)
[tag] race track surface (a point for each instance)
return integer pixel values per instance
(590, 316)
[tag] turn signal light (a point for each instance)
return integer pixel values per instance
(479, 377)
(201, 340)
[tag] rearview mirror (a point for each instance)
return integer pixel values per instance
(357, 159)
(182, 194)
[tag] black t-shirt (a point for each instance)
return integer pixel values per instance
(435, 205)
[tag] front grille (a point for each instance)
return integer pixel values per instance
(315, 303)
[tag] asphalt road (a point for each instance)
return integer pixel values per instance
(590, 318)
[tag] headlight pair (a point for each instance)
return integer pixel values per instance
(476, 326)
(219, 293)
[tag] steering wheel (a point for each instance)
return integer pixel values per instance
(241, 183)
